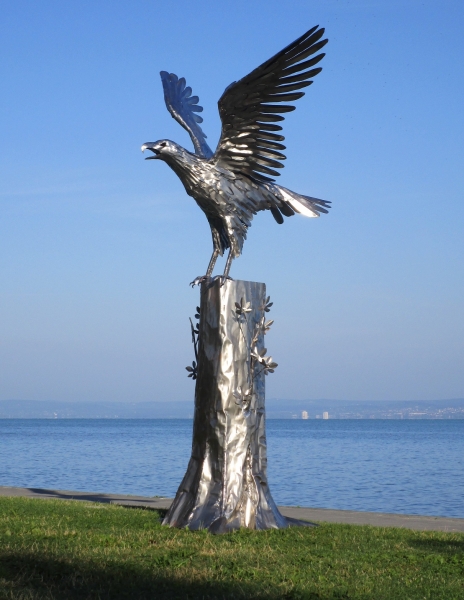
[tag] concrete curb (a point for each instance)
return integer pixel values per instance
(350, 517)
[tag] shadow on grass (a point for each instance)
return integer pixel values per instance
(162, 512)
(439, 546)
(33, 577)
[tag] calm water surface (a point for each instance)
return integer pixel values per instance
(414, 467)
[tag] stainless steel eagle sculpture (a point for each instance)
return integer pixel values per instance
(232, 184)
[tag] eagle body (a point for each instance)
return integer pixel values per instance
(218, 194)
(233, 184)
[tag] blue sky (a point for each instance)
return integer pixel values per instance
(97, 246)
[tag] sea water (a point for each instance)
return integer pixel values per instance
(398, 466)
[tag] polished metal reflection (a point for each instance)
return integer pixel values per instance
(236, 181)
(225, 486)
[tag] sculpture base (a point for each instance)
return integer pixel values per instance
(225, 486)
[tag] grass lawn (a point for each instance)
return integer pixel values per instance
(60, 549)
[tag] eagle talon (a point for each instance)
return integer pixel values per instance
(200, 279)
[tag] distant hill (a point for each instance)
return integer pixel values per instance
(275, 409)
(380, 409)
(43, 409)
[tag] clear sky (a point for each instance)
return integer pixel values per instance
(97, 246)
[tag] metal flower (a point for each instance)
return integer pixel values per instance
(267, 305)
(269, 365)
(264, 325)
(193, 370)
(195, 329)
(266, 361)
(243, 307)
(258, 355)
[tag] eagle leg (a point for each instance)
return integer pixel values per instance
(228, 265)
(209, 270)
(212, 262)
(225, 276)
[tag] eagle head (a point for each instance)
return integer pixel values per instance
(163, 149)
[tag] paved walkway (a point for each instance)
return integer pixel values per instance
(304, 514)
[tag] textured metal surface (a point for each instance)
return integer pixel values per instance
(225, 486)
(234, 183)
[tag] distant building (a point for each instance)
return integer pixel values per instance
(304, 414)
(325, 415)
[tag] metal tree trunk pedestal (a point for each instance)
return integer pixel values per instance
(225, 486)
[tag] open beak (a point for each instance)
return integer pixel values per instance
(150, 146)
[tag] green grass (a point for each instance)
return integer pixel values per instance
(67, 550)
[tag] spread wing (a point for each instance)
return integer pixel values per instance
(184, 108)
(248, 111)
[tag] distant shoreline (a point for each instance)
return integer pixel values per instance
(269, 418)
(275, 409)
